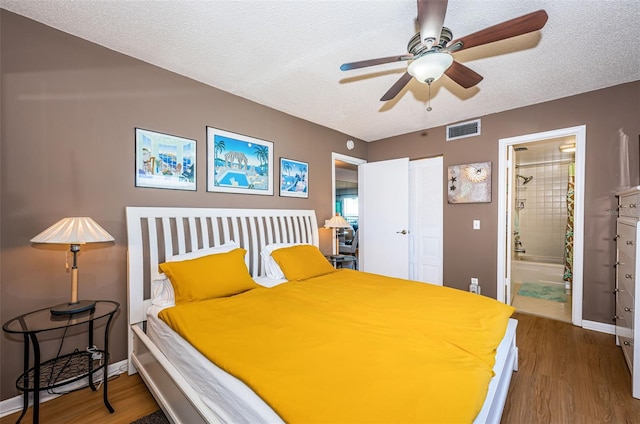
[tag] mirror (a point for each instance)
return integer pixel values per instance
(345, 201)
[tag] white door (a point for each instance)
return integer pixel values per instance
(426, 220)
(511, 186)
(383, 190)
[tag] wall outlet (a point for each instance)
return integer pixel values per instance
(474, 287)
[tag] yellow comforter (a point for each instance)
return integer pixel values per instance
(353, 347)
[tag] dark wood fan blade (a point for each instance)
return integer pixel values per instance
(464, 76)
(395, 88)
(431, 15)
(372, 62)
(518, 26)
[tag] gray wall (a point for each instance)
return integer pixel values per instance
(470, 253)
(69, 109)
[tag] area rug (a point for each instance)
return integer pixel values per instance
(153, 418)
(553, 292)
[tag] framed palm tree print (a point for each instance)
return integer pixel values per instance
(238, 163)
(294, 178)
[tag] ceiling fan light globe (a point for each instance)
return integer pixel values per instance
(430, 67)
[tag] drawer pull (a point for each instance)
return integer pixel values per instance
(615, 291)
(629, 242)
(617, 236)
(626, 343)
(627, 309)
(632, 205)
(628, 276)
(615, 317)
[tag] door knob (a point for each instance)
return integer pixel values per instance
(402, 232)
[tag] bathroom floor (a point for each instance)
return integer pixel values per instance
(560, 311)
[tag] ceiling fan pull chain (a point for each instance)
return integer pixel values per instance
(429, 101)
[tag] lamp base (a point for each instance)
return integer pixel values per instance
(73, 308)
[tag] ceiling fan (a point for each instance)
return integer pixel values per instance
(430, 50)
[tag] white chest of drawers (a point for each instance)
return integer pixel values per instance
(627, 294)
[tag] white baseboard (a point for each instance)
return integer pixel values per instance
(14, 404)
(599, 326)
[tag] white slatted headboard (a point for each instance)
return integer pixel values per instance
(157, 233)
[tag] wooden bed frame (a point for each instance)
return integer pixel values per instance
(157, 233)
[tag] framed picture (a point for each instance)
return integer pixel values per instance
(238, 163)
(165, 161)
(294, 178)
(470, 183)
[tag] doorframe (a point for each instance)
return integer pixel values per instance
(349, 159)
(504, 257)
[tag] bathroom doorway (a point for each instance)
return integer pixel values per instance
(541, 241)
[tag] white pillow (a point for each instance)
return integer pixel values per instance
(269, 282)
(271, 267)
(162, 290)
(224, 248)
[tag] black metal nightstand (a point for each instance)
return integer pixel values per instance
(63, 369)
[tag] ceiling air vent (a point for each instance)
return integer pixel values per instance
(462, 130)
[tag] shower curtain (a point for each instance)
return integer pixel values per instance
(568, 240)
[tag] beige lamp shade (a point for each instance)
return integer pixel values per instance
(336, 222)
(73, 231)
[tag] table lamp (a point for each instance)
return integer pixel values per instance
(73, 231)
(337, 222)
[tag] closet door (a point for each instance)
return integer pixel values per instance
(426, 220)
(383, 233)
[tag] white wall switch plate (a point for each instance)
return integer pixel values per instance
(476, 224)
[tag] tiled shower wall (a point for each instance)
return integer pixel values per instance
(544, 217)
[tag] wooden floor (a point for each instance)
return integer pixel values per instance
(127, 394)
(566, 375)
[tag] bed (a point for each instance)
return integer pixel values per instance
(189, 387)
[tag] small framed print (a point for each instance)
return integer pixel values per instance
(470, 183)
(294, 178)
(238, 163)
(165, 161)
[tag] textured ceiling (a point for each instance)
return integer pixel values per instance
(286, 54)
